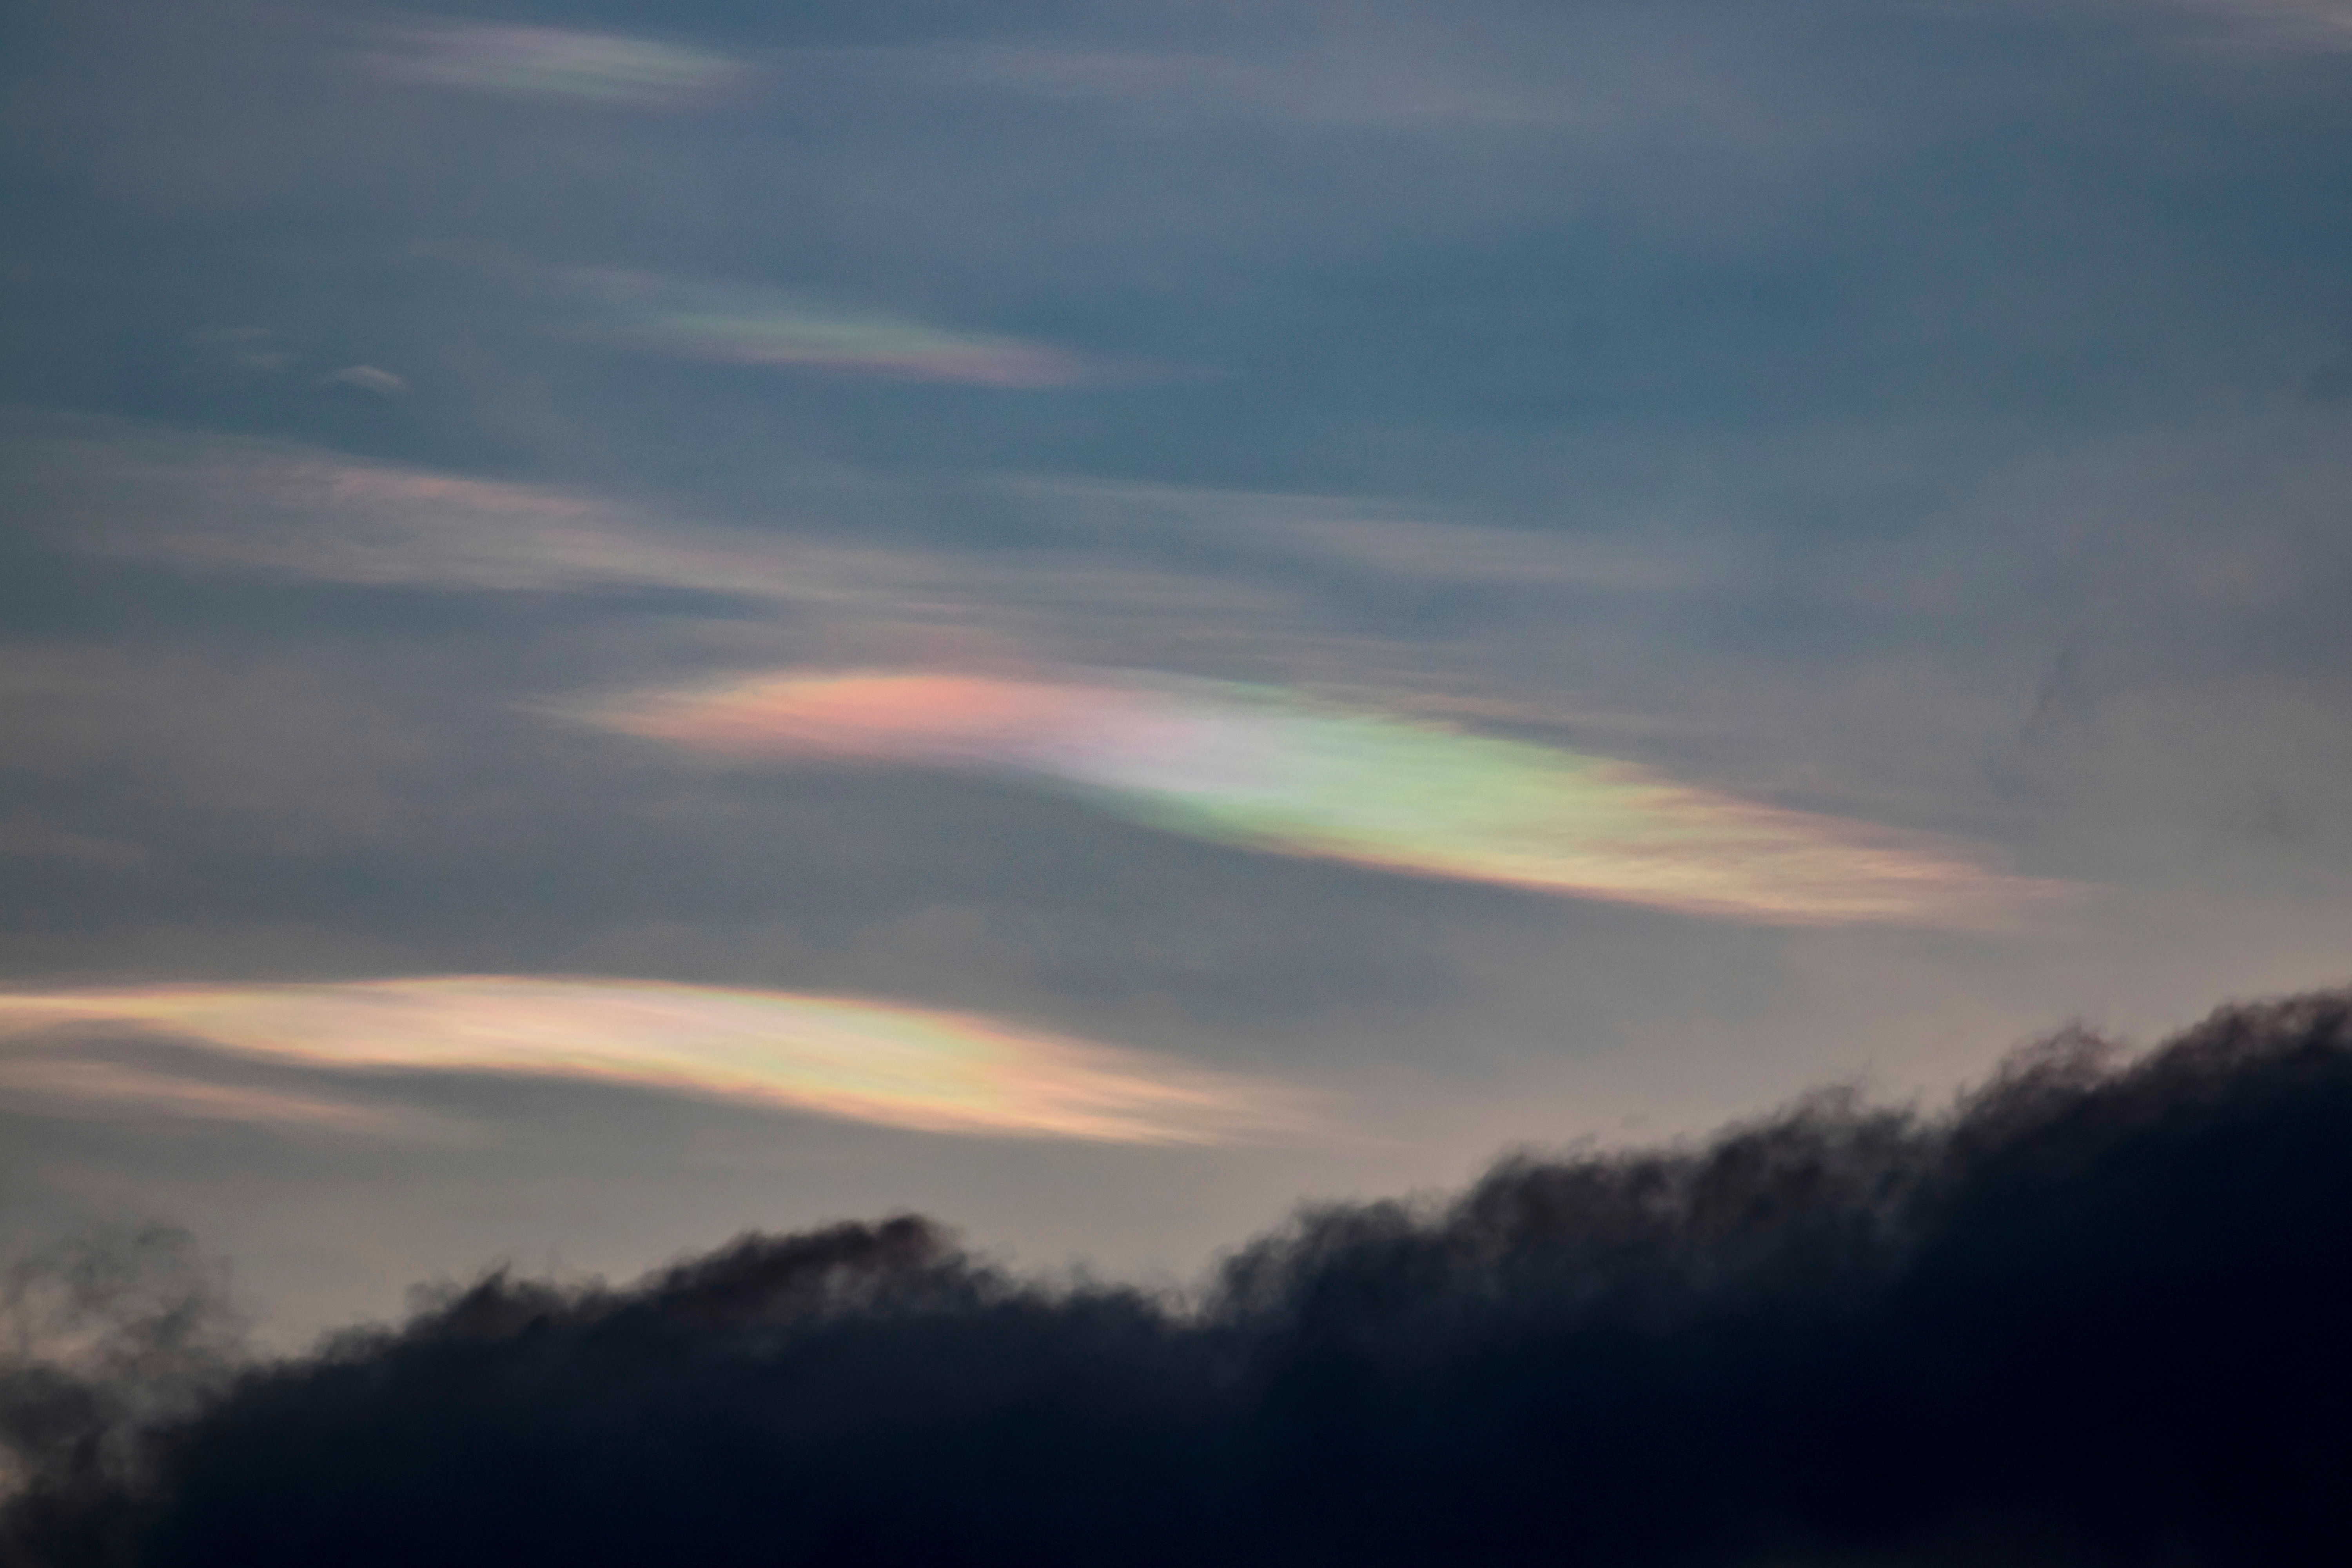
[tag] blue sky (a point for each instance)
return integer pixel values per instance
(1886, 444)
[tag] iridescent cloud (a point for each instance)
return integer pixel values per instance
(1276, 771)
(86, 1085)
(217, 505)
(861, 1060)
(558, 63)
(753, 326)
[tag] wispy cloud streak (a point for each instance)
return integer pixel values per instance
(278, 510)
(210, 504)
(59, 1081)
(856, 1059)
(747, 325)
(1339, 81)
(557, 63)
(1273, 770)
(2288, 27)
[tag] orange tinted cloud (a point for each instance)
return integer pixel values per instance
(1278, 771)
(860, 1060)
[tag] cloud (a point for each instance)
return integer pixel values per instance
(79, 1084)
(368, 379)
(289, 512)
(2284, 27)
(863, 1060)
(2092, 1317)
(557, 64)
(303, 513)
(100, 1336)
(745, 325)
(1336, 82)
(1279, 770)
(1361, 536)
(1105, 572)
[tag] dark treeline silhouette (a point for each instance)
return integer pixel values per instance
(2097, 1314)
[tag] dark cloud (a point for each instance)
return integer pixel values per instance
(2093, 1316)
(102, 1338)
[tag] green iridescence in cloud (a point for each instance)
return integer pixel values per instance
(1276, 771)
(851, 1057)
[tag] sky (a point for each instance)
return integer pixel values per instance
(622, 624)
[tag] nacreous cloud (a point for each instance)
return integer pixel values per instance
(740, 324)
(861, 1060)
(1276, 771)
(558, 63)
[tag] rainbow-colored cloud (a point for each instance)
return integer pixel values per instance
(864, 343)
(861, 1060)
(1276, 771)
(742, 324)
